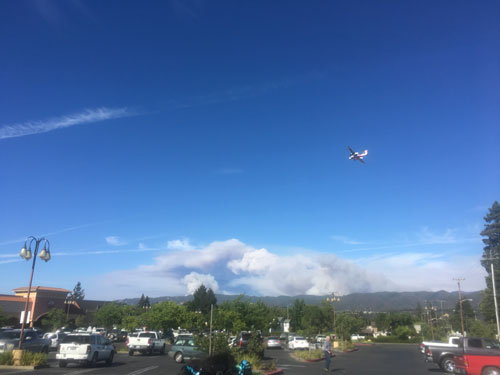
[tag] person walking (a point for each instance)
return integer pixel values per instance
(327, 349)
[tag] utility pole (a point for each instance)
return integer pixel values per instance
(494, 292)
(460, 302)
(441, 301)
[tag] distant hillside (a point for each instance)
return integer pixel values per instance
(376, 302)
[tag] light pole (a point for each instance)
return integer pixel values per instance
(26, 254)
(332, 300)
(460, 302)
(491, 258)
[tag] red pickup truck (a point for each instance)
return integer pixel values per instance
(477, 356)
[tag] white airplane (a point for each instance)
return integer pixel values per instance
(356, 155)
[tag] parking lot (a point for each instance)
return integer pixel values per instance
(381, 359)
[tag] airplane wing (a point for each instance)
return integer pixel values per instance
(362, 161)
(350, 149)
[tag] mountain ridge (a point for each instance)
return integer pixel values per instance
(374, 302)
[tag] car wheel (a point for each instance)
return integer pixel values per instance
(130, 352)
(150, 351)
(45, 350)
(109, 361)
(63, 363)
(178, 357)
(93, 361)
(447, 364)
(491, 371)
(162, 351)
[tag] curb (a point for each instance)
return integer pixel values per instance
(314, 360)
(274, 372)
(351, 350)
(12, 367)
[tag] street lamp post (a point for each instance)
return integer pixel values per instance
(332, 300)
(26, 254)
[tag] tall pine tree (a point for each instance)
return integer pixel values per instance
(491, 254)
(78, 292)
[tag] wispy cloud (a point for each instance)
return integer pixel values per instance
(85, 117)
(425, 237)
(115, 241)
(241, 92)
(346, 240)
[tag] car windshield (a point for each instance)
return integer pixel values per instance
(147, 334)
(10, 335)
(78, 339)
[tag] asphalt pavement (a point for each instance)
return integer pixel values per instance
(379, 359)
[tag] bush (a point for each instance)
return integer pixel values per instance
(33, 359)
(397, 340)
(309, 354)
(6, 359)
(220, 343)
(255, 346)
(255, 360)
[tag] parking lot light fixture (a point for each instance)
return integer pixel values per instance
(26, 254)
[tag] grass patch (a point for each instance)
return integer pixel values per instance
(6, 359)
(308, 354)
(346, 345)
(33, 359)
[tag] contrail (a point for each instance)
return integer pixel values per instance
(85, 117)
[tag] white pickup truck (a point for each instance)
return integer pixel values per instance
(146, 342)
(452, 343)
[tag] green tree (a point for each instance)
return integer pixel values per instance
(419, 312)
(82, 321)
(467, 313)
(55, 318)
(144, 302)
(491, 254)
(219, 343)
(297, 313)
(109, 315)
(348, 324)
(382, 321)
(78, 293)
(481, 329)
(203, 298)
(404, 332)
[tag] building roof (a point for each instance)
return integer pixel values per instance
(45, 288)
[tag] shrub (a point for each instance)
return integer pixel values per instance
(396, 340)
(309, 354)
(33, 359)
(255, 346)
(6, 359)
(255, 360)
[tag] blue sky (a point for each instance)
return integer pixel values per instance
(162, 144)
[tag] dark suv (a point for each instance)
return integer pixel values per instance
(241, 340)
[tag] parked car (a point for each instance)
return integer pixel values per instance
(357, 337)
(477, 356)
(55, 339)
(320, 339)
(297, 342)
(146, 342)
(273, 342)
(184, 348)
(9, 340)
(86, 349)
(242, 339)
